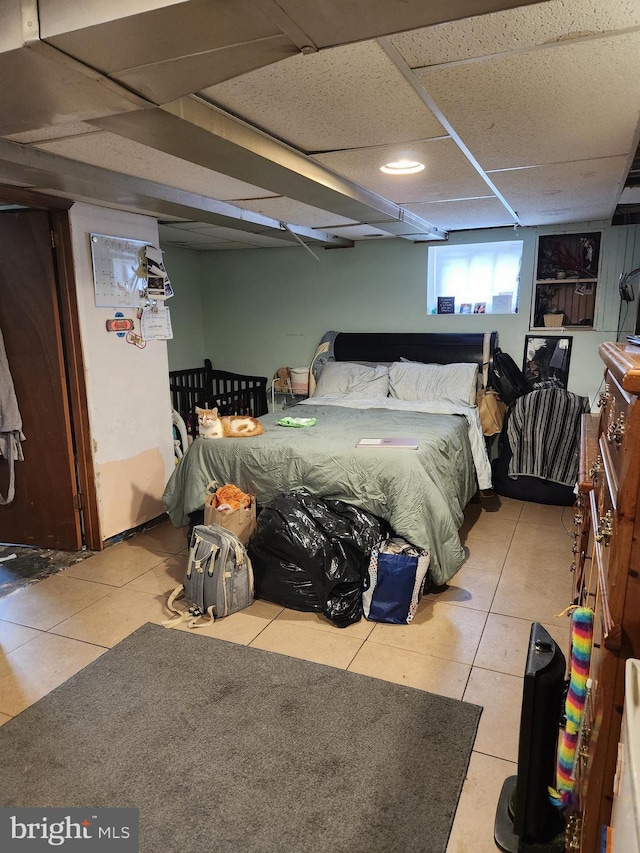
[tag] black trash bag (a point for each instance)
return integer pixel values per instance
(310, 554)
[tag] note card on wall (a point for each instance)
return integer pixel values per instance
(155, 323)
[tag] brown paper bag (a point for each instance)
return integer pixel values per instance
(242, 522)
(492, 411)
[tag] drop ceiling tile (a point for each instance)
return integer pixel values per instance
(203, 232)
(448, 174)
(464, 213)
(514, 29)
(630, 195)
(578, 101)
(174, 233)
(344, 97)
(563, 192)
(227, 246)
(291, 211)
(357, 232)
(172, 236)
(193, 226)
(131, 158)
(58, 131)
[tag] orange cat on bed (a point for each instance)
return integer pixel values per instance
(211, 425)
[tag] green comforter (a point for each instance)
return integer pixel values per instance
(421, 493)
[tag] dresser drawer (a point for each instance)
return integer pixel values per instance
(610, 585)
(589, 462)
(604, 520)
(614, 422)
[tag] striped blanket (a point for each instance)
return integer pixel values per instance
(543, 430)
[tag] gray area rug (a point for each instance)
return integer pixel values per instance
(227, 748)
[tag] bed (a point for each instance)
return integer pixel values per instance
(420, 492)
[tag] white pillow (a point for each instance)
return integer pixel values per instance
(452, 383)
(353, 380)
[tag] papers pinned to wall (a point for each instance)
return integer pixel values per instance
(155, 323)
(119, 271)
(158, 284)
(126, 273)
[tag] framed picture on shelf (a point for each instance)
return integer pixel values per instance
(547, 358)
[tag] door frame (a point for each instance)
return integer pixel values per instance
(61, 249)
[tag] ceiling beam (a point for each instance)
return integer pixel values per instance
(199, 132)
(45, 171)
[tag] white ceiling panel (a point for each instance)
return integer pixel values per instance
(330, 22)
(211, 237)
(170, 236)
(357, 232)
(345, 97)
(219, 232)
(288, 210)
(543, 96)
(630, 195)
(553, 193)
(131, 158)
(202, 232)
(464, 213)
(548, 106)
(201, 227)
(514, 29)
(57, 131)
(226, 247)
(447, 174)
(176, 234)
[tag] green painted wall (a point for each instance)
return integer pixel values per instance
(264, 308)
(185, 270)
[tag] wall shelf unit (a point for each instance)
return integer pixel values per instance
(566, 282)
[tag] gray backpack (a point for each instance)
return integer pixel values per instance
(218, 580)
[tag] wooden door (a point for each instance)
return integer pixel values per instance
(43, 512)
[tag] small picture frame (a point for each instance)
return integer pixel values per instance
(546, 360)
(446, 305)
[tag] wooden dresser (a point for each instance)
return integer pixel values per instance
(607, 579)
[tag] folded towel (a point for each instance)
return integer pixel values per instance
(297, 422)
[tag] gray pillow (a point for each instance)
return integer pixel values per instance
(451, 383)
(346, 378)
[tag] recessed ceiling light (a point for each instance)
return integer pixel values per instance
(402, 167)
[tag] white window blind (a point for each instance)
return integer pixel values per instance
(474, 278)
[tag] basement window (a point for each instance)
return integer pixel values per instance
(475, 278)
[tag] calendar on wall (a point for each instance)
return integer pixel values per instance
(119, 271)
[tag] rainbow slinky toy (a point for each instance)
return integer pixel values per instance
(581, 643)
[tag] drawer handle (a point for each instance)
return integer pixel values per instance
(615, 432)
(605, 528)
(585, 741)
(596, 468)
(573, 833)
(604, 395)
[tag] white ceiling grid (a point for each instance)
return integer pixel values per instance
(545, 97)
